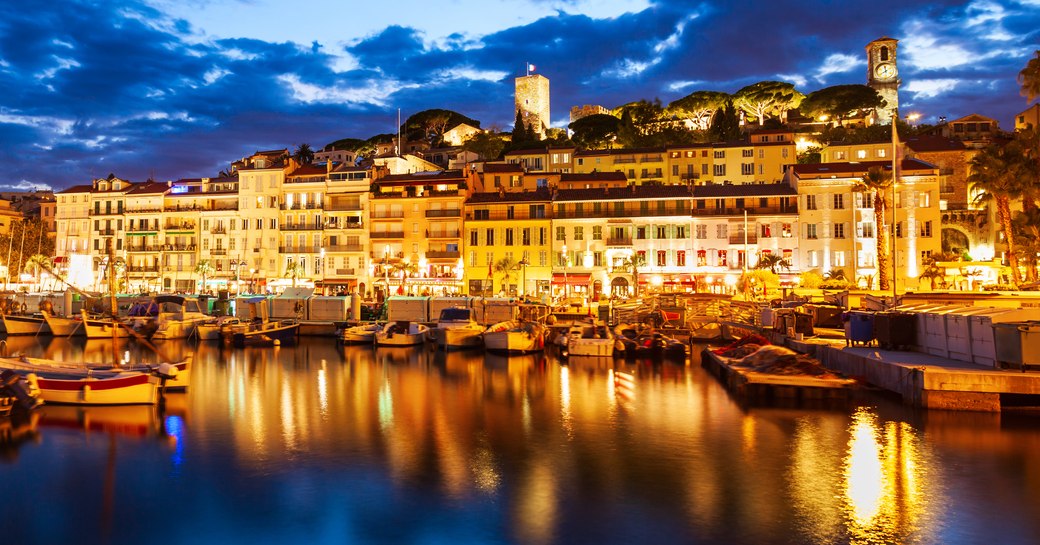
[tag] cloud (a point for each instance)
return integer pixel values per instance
(929, 88)
(837, 63)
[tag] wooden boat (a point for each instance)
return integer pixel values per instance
(215, 328)
(16, 394)
(177, 375)
(260, 330)
(457, 329)
(361, 334)
(103, 327)
(87, 386)
(178, 317)
(515, 337)
(24, 324)
(588, 339)
(401, 333)
(646, 343)
(61, 326)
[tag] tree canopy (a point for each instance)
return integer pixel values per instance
(840, 101)
(595, 131)
(430, 125)
(767, 98)
(698, 107)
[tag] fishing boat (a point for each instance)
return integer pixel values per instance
(61, 326)
(214, 329)
(24, 324)
(97, 327)
(588, 339)
(646, 343)
(16, 394)
(515, 337)
(457, 329)
(360, 334)
(177, 375)
(178, 317)
(401, 333)
(85, 386)
(261, 330)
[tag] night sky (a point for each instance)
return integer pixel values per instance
(180, 88)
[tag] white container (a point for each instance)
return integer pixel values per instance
(408, 309)
(291, 303)
(958, 331)
(921, 323)
(492, 310)
(328, 308)
(983, 352)
(437, 304)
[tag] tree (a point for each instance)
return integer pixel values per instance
(627, 133)
(699, 107)
(403, 268)
(998, 173)
(430, 125)
(631, 265)
(767, 98)
(725, 126)
(595, 131)
(520, 135)
(772, 262)
(26, 237)
(841, 101)
(933, 272)
(1027, 234)
(292, 270)
(879, 181)
(203, 268)
(812, 155)
(487, 145)
(1029, 78)
(304, 154)
(507, 267)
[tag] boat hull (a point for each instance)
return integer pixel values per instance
(458, 337)
(103, 328)
(128, 389)
(401, 334)
(362, 334)
(282, 333)
(25, 325)
(514, 339)
(63, 327)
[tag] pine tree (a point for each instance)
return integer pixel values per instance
(519, 129)
(725, 126)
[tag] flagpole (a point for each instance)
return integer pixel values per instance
(895, 179)
(527, 67)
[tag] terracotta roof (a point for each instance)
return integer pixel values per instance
(742, 190)
(309, 170)
(621, 151)
(604, 176)
(636, 192)
(422, 177)
(149, 188)
(857, 169)
(539, 195)
(502, 167)
(83, 188)
(934, 143)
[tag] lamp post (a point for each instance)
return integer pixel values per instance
(235, 264)
(321, 262)
(386, 268)
(523, 272)
(566, 265)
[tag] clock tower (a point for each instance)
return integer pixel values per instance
(883, 75)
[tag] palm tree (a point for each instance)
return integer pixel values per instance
(39, 263)
(1027, 234)
(506, 267)
(1029, 78)
(835, 274)
(304, 154)
(631, 265)
(879, 181)
(932, 272)
(998, 174)
(203, 268)
(772, 262)
(293, 271)
(402, 268)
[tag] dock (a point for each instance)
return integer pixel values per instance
(793, 390)
(921, 380)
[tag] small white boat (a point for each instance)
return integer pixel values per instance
(63, 327)
(588, 339)
(360, 334)
(515, 337)
(457, 329)
(24, 324)
(178, 317)
(401, 334)
(60, 383)
(215, 328)
(103, 327)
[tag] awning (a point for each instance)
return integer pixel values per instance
(572, 279)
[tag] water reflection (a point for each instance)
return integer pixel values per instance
(413, 442)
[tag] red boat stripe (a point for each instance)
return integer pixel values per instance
(95, 384)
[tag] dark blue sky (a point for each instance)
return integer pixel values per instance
(180, 88)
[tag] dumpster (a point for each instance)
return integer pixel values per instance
(826, 316)
(859, 328)
(1017, 344)
(895, 330)
(803, 323)
(983, 345)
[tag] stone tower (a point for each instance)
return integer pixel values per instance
(532, 99)
(883, 75)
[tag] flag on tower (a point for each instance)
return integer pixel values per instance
(530, 68)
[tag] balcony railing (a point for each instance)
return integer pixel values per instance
(344, 225)
(442, 234)
(116, 212)
(219, 230)
(345, 248)
(386, 215)
(107, 232)
(300, 206)
(386, 234)
(757, 211)
(752, 238)
(343, 207)
(142, 229)
(300, 227)
(143, 268)
(444, 213)
(150, 248)
(682, 210)
(443, 254)
(344, 272)
(180, 226)
(179, 247)
(203, 208)
(218, 251)
(299, 249)
(380, 255)
(623, 160)
(615, 241)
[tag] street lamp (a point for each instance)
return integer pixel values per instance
(523, 282)
(321, 262)
(566, 265)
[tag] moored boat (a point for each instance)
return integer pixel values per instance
(215, 328)
(87, 386)
(515, 337)
(360, 334)
(402, 333)
(177, 375)
(457, 329)
(24, 324)
(103, 327)
(178, 317)
(264, 333)
(61, 326)
(589, 339)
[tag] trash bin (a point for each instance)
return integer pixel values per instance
(803, 323)
(1017, 344)
(895, 330)
(827, 316)
(859, 328)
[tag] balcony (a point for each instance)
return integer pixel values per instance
(204, 208)
(624, 160)
(442, 234)
(300, 227)
(456, 213)
(116, 212)
(344, 272)
(345, 248)
(380, 255)
(143, 269)
(184, 226)
(299, 249)
(299, 206)
(343, 207)
(681, 208)
(135, 249)
(690, 176)
(179, 247)
(387, 215)
(443, 254)
(218, 251)
(143, 210)
(386, 235)
(219, 230)
(106, 232)
(758, 211)
(651, 159)
(623, 241)
(752, 238)
(332, 226)
(142, 229)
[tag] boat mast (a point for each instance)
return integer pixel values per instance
(110, 270)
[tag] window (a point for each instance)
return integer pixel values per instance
(720, 154)
(926, 228)
(661, 232)
(597, 259)
(702, 232)
(662, 258)
(899, 229)
(597, 232)
(525, 236)
(722, 258)
(641, 232)
(537, 211)
(509, 236)
(865, 230)
(561, 233)
(490, 237)
(839, 156)
(861, 154)
(721, 231)
(765, 230)
(680, 258)
(543, 258)
(926, 256)
(881, 152)
(785, 230)
(813, 258)
(810, 202)
(579, 233)
(511, 212)
(839, 259)
(747, 169)
(924, 199)
(541, 236)
(747, 153)
(680, 232)
(720, 170)
(839, 201)
(704, 168)
(839, 230)
(810, 231)
(579, 210)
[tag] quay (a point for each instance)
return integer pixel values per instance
(921, 380)
(798, 390)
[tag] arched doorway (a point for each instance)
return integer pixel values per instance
(619, 287)
(955, 241)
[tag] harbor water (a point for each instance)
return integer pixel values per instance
(327, 444)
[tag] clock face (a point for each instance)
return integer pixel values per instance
(884, 71)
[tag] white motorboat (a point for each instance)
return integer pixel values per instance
(401, 334)
(103, 327)
(360, 334)
(63, 327)
(215, 328)
(588, 339)
(457, 329)
(178, 317)
(515, 337)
